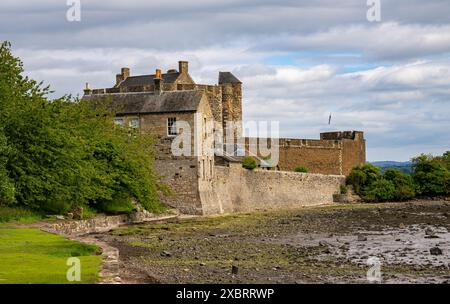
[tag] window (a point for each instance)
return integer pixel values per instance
(172, 126)
(118, 121)
(134, 123)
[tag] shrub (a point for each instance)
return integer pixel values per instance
(301, 169)
(363, 176)
(343, 189)
(403, 183)
(379, 190)
(371, 185)
(432, 174)
(249, 163)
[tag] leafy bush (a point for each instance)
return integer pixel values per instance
(67, 152)
(249, 163)
(301, 169)
(403, 183)
(380, 190)
(371, 185)
(363, 176)
(343, 189)
(432, 174)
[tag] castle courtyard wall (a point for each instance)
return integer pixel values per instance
(317, 159)
(235, 189)
(335, 153)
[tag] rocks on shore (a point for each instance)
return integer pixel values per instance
(166, 254)
(362, 238)
(234, 269)
(430, 234)
(436, 251)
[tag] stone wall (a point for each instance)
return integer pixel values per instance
(235, 189)
(335, 153)
(322, 158)
(353, 152)
(181, 176)
(103, 223)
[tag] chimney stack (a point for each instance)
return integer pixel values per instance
(183, 67)
(87, 90)
(124, 74)
(158, 73)
(158, 82)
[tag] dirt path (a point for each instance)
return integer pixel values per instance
(411, 242)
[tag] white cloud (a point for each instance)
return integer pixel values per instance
(387, 41)
(399, 93)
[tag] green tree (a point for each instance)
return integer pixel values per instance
(403, 184)
(380, 190)
(6, 186)
(371, 185)
(432, 174)
(67, 152)
(363, 176)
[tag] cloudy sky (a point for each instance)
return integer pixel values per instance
(299, 60)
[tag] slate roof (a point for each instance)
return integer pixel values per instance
(149, 102)
(148, 79)
(227, 77)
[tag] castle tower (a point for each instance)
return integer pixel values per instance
(231, 106)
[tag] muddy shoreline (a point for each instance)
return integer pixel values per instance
(331, 244)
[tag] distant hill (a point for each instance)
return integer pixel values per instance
(405, 167)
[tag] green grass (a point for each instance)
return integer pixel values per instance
(16, 214)
(30, 256)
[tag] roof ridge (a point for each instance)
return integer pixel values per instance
(149, 92)
(147, 75)
(149, 102)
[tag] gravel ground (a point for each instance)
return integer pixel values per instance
(334, 244)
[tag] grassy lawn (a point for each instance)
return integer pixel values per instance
(30, 256)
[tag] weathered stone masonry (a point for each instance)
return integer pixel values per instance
(235, 189)
(199, 184)
(335, 153)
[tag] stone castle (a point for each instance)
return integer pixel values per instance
(212, 183)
